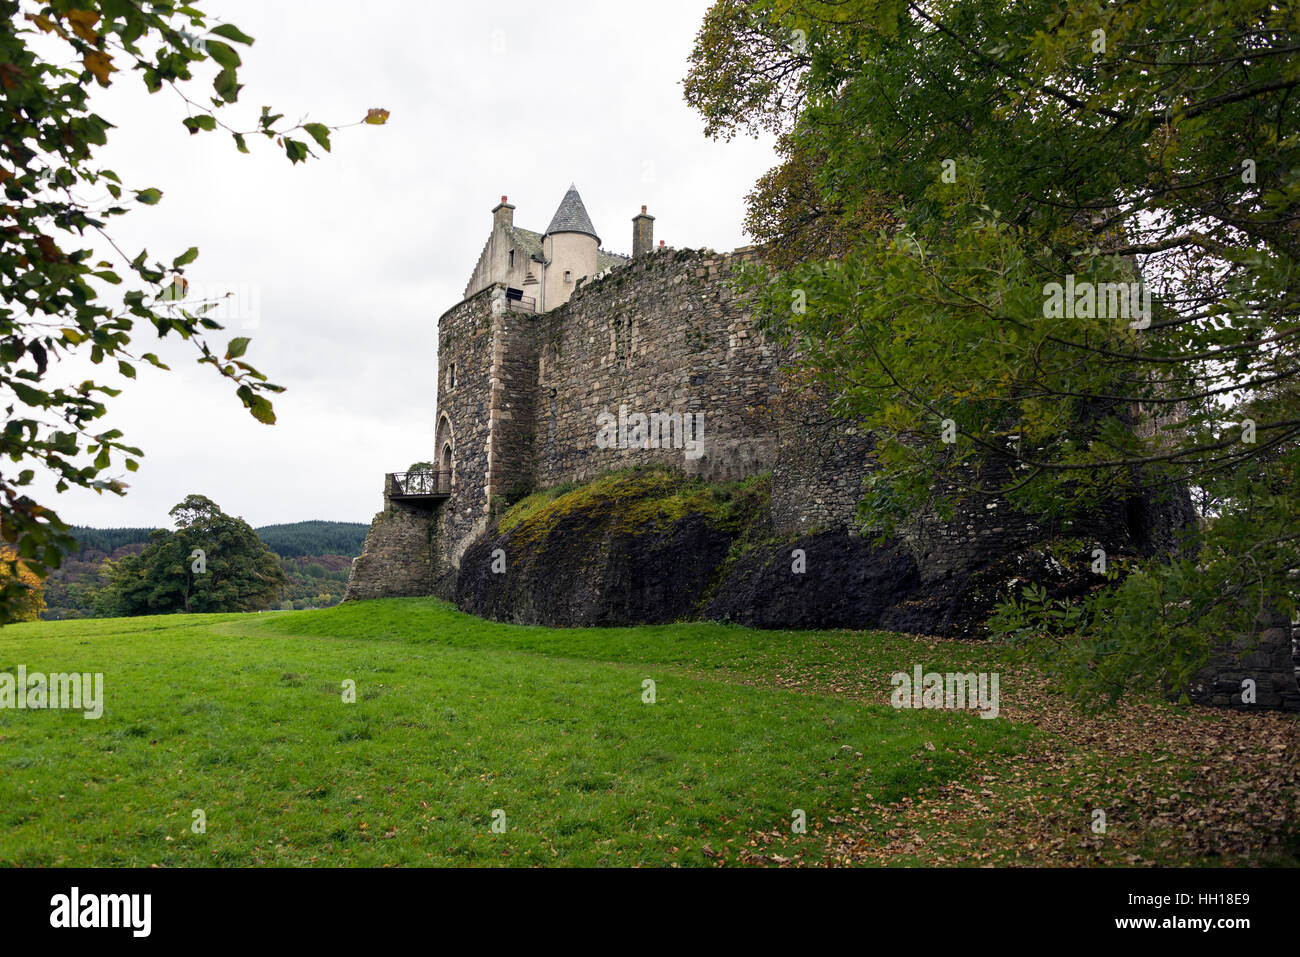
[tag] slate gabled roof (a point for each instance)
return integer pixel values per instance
(608, 260)
(572, 217)
(529, 241)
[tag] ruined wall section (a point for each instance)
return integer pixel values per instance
(398, 559)
(667, 334)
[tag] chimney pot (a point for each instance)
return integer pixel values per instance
(503, 214)
(643, 232)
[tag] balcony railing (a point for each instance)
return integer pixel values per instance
(424, 483)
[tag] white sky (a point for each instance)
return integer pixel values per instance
(353, 257)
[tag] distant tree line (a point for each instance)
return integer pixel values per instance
(292, 540)
(108, 540)
(134, 571)
(300, 539)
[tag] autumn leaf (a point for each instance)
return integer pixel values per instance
(83, 24)
(45, 23)
(377, 117)
(100, 64)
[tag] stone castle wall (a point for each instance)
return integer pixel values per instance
(465, 344)
(399, 558)
(667, 333)
(664, 334)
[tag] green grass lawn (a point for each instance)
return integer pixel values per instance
(455, 718)
(243, 716)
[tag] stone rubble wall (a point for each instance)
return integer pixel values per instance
(664, 334)
(398, 559)
(1267, 658)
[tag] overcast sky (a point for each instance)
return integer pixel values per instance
(350, 260)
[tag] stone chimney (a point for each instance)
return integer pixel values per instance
(503, 214)
(643, 232)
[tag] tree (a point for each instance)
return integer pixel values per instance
(1089, 276)
(211, 562)
(54, 288)
(28, 585)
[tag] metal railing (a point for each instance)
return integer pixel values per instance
(420, 482)
(522, 303)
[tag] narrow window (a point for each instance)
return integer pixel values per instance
(512, 259)
(568, 276)
(451, 376)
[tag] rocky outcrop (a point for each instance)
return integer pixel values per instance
(828, 580)
(652, 546)
(640, 547)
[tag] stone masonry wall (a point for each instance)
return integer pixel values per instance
(817, 483)
(511, 423)
(819, 468)
(398, 559)
(664, 334)
(465, 340)
(1268, 659)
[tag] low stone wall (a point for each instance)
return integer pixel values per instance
(1268, 659)
(398, 558)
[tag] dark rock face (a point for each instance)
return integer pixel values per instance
(647, 550)
(846, 582)
(586, 570)
(959, 604)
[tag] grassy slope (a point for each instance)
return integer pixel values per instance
(241, 715)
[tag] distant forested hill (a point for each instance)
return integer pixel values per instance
(108, 540)
(314, 538)
(293, 540)
(316, 557)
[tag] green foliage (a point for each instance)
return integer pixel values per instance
(1158, 626)
(107, 540)
(315, 581)
(299, 539)
(642, 499)
(1021, 144)
(211, 562)
(316, 558)
(55, 293)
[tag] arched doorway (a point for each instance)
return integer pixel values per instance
(446, 462)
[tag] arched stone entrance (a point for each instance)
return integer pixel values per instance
(444, 443)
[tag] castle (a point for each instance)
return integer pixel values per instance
(554, 333)
(564, 362)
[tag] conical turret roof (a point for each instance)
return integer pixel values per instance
(572, 216)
